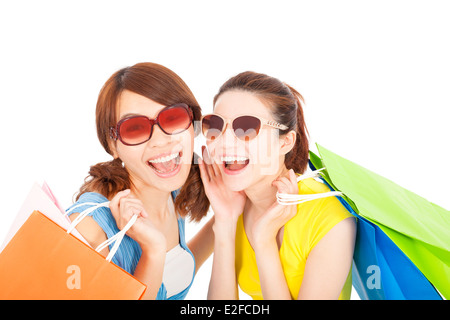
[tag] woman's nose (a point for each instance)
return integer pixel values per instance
(228, 134)
(159, 138)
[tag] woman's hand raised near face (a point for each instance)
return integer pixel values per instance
(265, 229)
(228, 205)
(123, 207)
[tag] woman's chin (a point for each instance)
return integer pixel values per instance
(235, 183)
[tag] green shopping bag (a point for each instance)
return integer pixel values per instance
(418, 227)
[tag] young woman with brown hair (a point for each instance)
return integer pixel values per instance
(145, 119)
(258, 144)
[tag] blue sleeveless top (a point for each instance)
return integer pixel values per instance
(129, 252)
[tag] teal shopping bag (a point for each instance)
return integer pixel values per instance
(381, 270)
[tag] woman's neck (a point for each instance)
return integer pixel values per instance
(262, 195)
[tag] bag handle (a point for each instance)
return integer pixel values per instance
(291, 199)
(117, 238)
(83, 214)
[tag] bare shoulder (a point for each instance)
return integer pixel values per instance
(90, 230)
(338, 241)
(343, 231)
(328, 265)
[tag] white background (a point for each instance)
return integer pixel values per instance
(375, 76)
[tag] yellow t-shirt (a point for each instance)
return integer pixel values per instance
(313, 220)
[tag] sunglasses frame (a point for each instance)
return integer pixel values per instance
(115, 131)
(270, 123)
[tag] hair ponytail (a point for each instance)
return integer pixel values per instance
(106, 178)
(297, 158)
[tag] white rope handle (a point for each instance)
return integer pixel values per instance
(117, 238)
(288, 199)
(83, 214)
(312, 174)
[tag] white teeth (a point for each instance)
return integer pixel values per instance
(229, 159)
(164, 159)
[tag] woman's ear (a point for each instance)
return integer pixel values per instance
(288, 142)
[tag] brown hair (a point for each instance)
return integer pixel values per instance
(165, 87)
(286, 107)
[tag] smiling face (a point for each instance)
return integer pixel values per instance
(164, 161)
(245, 163)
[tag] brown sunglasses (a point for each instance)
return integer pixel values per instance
(244, 127)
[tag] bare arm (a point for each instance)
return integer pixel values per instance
(149, 271)
(329, 263)
(271, 275)
(91, 231)
(262, 235)
(223, 284)
(326, 270)
(150, 267)
(202, 244)
(327, 266)
(227, 206)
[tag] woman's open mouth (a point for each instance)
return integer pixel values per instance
(166, 166)
(234, 164)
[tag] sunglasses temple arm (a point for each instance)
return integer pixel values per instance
(274, 124)
(113, 133)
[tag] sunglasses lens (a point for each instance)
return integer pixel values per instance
(246, 127)
(135, 130)
(212, 126)
(174, 120)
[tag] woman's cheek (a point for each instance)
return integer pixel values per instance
(265, 153)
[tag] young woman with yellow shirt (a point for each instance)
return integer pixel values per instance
(257, 146)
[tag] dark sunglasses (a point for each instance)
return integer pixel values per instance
(135, 130)
(244, 127)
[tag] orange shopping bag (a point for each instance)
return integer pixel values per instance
(43, 261)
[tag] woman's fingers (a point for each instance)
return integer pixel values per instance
(208, 163)
(128, 203)
(203, 172)
(216, 169)
(205, 155)
(123, 206)
(213, 165)
(283, 185)
(132, 208)
(115, 201)
(287, 183)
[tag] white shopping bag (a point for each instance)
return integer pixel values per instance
(43, 200)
